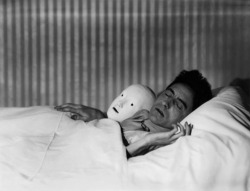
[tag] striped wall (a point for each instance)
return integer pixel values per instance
(87, 51)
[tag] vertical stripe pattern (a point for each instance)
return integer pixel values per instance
(87, 51)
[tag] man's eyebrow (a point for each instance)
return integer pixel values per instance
(185, 105)
(172, 91)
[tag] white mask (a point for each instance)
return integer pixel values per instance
(134, 98)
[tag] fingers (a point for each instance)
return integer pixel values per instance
(69, 109)
(79, 117)
(186, 129)
(189, 128)
(68, 106)
(178, 131)
(170, 134)
(75, 117)
(165, 138)
(175, 129)
(74, 109)
(63, 106)
(182, 129)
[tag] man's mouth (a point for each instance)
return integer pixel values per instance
(115, 110)
(160, 112)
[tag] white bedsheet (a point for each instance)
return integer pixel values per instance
(42, 149)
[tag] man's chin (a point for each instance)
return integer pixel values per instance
(154, 119)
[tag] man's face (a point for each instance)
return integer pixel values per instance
(172, 105)
(131, 100)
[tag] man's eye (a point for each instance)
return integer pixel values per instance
(132, 104)
(179, 105)
(168, 94)
(122, 95)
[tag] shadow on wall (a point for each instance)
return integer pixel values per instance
(243, 83)
(228, 44)
(235, 60)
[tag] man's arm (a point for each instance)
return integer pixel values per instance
(81, 112)
(155, 140)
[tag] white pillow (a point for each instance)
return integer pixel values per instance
(215, 157)
(227, 112)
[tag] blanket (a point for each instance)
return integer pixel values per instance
(42, 149)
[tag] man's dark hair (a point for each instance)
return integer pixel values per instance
(198, 83)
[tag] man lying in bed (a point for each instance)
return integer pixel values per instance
(187, 92)
(131, 109)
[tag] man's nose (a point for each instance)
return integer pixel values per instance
(168, 103)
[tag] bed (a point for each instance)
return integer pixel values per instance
(43, 149)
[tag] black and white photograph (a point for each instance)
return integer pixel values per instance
(124, 95)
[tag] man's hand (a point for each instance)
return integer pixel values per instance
(153, 141)
(81, 112)
(165, 138)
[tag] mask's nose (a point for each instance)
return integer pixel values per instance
(120, 104)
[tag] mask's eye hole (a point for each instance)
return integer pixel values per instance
(132, 104)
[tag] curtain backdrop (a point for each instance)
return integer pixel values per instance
(87, 51)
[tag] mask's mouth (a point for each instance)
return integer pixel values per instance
(115, 110)
(160, 112)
